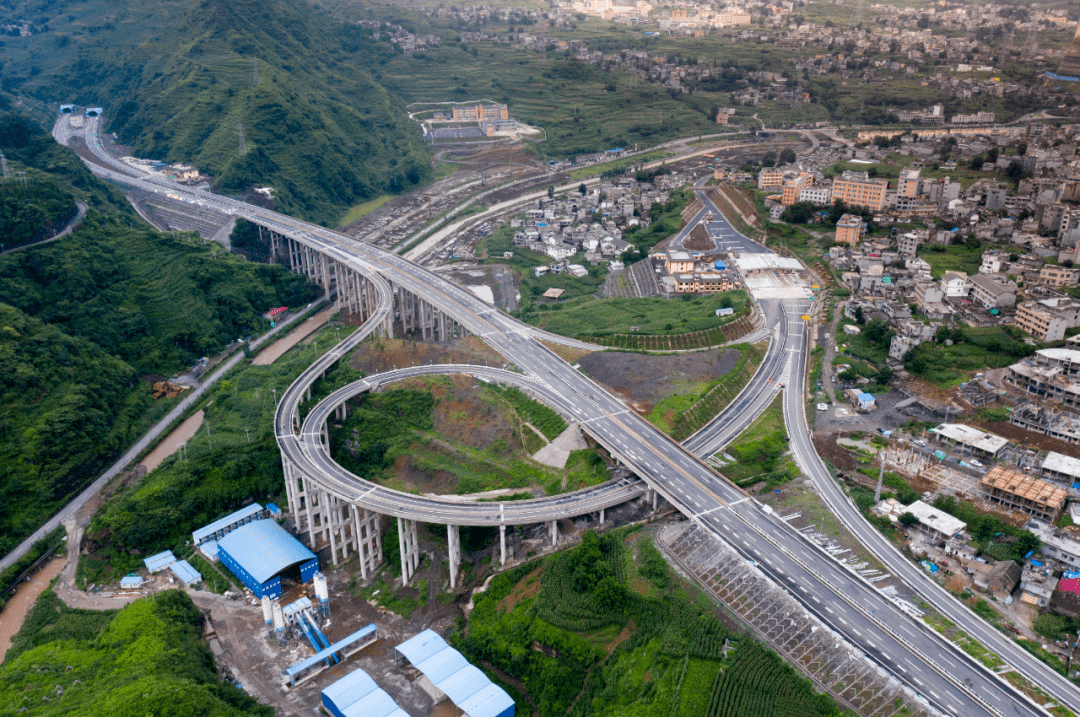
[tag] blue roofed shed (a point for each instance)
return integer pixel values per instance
(259, 552)
(446, 673)
(463, 684)
(157, 563)
(209, 549)
(131, 582)
(357, 695)
(183, 570)
(420, 647)
(442, 665)
(492, 701)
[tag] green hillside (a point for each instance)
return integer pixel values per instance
(608, 629)
(177, 77)
(145, 659)
(83, 317)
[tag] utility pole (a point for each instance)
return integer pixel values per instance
(880, 478)
(1031, 46)
(256, 60)
(240, 129)
(3, 162)
(208, 439)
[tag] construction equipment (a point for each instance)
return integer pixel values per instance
(167, 389)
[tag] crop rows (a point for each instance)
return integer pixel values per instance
(760, 685)
(562, 606)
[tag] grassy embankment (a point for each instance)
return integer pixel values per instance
(448, 435)
(363, 209)
(759, 451)
(681, 415)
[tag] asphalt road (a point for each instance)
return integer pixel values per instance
(902, 567)
(908, 649)
(756, 396)
(725, 236)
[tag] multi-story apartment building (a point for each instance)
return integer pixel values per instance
(849, 229)
(1059, 276)
(955, 284)
(793, 185)
(991, 293)
(908, 243)
(816, 195)
(908, 185)
(481, 112)
(770, 178)
(927, 293)
(857, 189)
(1047, 319)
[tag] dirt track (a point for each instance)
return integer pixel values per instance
(274, 351)
(16, 609)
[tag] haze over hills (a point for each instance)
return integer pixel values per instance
(177, 77)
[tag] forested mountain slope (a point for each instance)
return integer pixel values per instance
(177, 77)
(82, 318)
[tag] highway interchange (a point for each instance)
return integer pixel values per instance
(909, 650)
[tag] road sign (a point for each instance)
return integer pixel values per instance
(806, 317)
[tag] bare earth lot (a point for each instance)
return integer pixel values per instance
(645, 380)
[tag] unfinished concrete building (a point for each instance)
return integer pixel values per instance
(1020, 491)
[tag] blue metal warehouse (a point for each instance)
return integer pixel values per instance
(223, 526)
(449, 673)
(259, 552)
(357, 695)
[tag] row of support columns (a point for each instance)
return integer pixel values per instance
(419, 315)
(343, 526)
(354, 293)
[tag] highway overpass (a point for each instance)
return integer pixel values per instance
(387, 289)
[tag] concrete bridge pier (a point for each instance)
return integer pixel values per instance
(339, 527)
(367, 529)
(502, 544)
(453, 540)
(601, 523)
(308, 518)
(409, 547)
(554, 533)
(294, 490)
